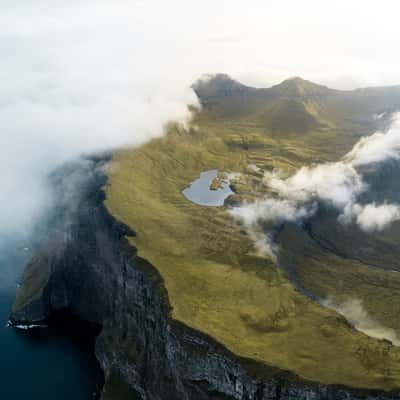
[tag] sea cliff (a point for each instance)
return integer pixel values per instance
(88, 268)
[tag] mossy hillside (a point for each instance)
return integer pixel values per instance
(215, 281)
(330, 274)
(34, 278)
(377, 248)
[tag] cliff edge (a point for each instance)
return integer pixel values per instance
(89, 269)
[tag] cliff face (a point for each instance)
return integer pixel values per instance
(89, 269)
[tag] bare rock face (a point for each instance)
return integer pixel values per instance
(89, 269)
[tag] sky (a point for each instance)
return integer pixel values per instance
(83, 76)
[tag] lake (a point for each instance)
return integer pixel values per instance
(199, 191)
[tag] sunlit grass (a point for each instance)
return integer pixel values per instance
(215, 282)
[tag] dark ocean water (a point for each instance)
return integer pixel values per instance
(46, 364)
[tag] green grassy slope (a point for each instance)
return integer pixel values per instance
(329, 274)
(216, 282)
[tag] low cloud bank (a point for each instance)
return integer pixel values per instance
(296, 198)
(77, 77)
(371, 217)
(84, 75)
(354, 311)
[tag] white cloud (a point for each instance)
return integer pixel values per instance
(338, 184)
(270, 209)
(264, 244)
(377, 147)
(354, 311)
(371, 217)
(80, 76)
(75, 79)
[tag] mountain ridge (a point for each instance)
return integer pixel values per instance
(312, 107)
(215, 279)
(298, 81)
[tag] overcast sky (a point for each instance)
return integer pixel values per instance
(79, 76)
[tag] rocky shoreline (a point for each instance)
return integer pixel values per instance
(88, 268)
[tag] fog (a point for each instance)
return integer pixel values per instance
(83, 76)
(354, 311)
(337, 184)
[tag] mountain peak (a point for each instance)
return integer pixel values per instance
(212, 88)
(299, 87)
(295, 79)
(218, 83)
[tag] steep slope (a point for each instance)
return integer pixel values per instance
(345, 264)
(205, 312)
(215, 281)
(289, 116)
